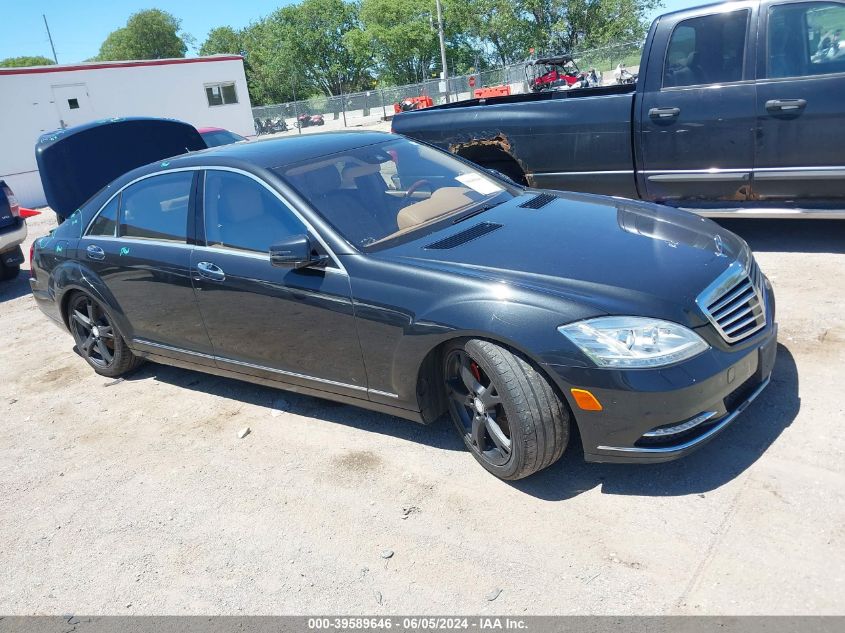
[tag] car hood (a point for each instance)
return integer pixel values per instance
(617, 256)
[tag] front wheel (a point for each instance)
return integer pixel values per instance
(97, 338)
(507, 413)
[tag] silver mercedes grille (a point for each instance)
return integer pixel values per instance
(735, 303)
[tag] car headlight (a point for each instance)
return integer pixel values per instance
(633, 342)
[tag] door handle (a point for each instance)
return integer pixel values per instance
(211, 271)
(664, 113)
(786, 105)
(95, 252)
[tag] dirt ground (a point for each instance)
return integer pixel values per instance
(139, 498)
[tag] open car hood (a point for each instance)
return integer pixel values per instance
(77, 162)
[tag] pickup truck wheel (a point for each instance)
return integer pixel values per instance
(97, 338)
(8, 272)
(507, 413)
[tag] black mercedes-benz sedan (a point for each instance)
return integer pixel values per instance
(377, 271)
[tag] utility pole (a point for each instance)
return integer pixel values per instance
(295, 107)
(442, 47)
(50, 37)
(342, 98)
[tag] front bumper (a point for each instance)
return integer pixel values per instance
(663, 414)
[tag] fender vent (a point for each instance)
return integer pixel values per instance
(473, 232)
(538, 201)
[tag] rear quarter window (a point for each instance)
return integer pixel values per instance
(105, 223)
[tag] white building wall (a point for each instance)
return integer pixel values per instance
(169, 88)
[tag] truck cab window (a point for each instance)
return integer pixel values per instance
(706, 50)
(806, 39)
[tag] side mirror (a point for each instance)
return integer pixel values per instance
(295, 251)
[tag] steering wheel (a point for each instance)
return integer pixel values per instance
(410, 191)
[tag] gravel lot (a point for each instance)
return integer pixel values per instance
(139, 498)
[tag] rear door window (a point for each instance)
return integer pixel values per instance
(156, 208)
(805, 39)
(706, 50)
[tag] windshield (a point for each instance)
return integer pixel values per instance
(377, 192)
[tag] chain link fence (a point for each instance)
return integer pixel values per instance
(372, 106)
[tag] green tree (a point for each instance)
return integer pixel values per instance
(265, 86)
(222, 40)
(401, 36)
(567, 25)
(19, 62)
(150, 34)
(306, 45)
(500, 30)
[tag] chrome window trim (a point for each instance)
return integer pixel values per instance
(282, 372)
(339, 266)
(138, 240)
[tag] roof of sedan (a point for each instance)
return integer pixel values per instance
(283, 151)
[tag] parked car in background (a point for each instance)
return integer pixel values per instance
(374, 270)
(12, 234)
(735, 112)
(216, 136)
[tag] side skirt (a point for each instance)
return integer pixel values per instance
(414, 416)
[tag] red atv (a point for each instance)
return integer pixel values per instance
(307, 120)
(555, 73)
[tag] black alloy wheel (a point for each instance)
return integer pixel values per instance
(477, 409)
(93, 331)
(508, 414)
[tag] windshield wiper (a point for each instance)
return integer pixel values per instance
(486, 206)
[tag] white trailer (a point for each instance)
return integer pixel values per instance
(203, 91)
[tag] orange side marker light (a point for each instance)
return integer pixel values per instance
(585, 400)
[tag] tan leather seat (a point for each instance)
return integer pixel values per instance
(426, 210)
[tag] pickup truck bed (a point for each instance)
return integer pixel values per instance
(555, 145)
(738, 110)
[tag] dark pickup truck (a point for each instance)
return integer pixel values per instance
(739, 109)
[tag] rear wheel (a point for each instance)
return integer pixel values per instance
(98, 339)
(507, 413)
(8, 272)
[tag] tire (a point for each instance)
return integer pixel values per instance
(9, 272)
(525, 425)
(102, 347)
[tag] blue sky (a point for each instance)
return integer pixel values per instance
(79, 28)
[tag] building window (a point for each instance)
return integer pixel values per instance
(221, 94)
(73, 104)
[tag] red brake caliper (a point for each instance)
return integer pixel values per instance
(473, 367)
